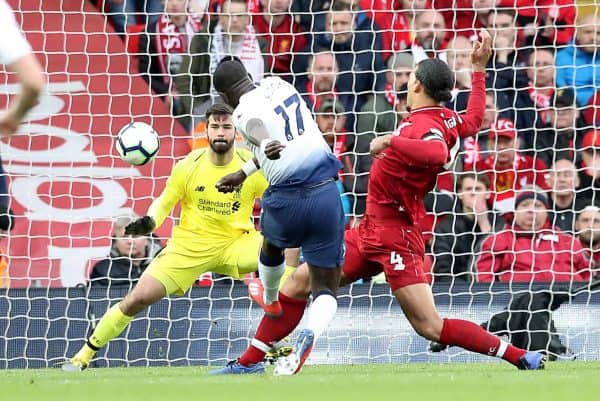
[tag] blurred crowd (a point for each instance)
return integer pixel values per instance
(520, 203)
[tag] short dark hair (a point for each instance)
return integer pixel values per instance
(229, 72)
(503, 10)
(478, 177)
(218, 109)
(437, 79)
(338, 6)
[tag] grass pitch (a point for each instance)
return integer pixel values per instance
(409, 382)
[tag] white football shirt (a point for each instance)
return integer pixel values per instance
(13, 44)
(279, 106)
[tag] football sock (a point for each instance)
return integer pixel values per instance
(473, 337)
(111, 325)
(270, 330)
(321, 313)
(270, 270)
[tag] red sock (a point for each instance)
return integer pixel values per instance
(272, 330)
(473, 337)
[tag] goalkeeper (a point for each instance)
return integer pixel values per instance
(215, 232)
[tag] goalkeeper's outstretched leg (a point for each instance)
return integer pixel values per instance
(148, 291)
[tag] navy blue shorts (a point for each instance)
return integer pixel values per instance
(307, 217)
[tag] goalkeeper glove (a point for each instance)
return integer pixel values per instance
(142, 226)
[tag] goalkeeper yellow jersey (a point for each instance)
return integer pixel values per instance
(208, 218)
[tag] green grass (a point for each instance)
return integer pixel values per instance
(408, 382)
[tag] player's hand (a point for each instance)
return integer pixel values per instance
(482, 51)
(273, 150)
(142, 226)
(378, 145)
(230, 182)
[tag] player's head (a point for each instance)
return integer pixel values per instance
(430, 83)
(231, 80)
(219, 128)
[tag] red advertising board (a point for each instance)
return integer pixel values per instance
(66, 182)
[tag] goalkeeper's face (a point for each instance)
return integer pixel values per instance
(221, 133)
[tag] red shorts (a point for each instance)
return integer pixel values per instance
(390, 246)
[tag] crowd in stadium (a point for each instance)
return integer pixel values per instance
(520, 202)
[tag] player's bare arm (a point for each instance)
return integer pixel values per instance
(29, 73)
(258, 135)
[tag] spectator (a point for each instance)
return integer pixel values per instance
(473, 148)
(331, 119)
(532, 103)
(531, 250)
(129, 257)
(308, 12)
(320, 81)
(125, 13)
(379, 116)
(284, 37)
(358, 56)
(458, 237)
(7, 223)
(588, 166)
(504, 76)
(394, 22)
(562, 131)
(233, 36)
(163, 47)
(464, 17)
(430, 36)
(546, 22)
(577, 64)
(587, 227)
(507, 168)
(458, 54)
(564, 202)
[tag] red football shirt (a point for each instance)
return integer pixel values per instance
(409, 169)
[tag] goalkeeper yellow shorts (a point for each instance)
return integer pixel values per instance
(178, 272)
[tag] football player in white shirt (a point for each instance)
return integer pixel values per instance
(15, 54)
(301, 207)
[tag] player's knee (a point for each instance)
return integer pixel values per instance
(137, 301)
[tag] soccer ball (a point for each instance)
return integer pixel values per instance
(137, 143)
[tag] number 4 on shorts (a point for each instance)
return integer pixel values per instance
(397, 261)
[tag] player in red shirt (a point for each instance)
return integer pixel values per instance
(388, 238)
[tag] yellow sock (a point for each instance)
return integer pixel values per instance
(286, 274)
(111, 325)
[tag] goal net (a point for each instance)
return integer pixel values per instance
(512, 230)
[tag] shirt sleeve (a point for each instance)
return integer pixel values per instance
(13, 44)
(470, 122)
(173, 193)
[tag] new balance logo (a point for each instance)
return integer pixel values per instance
(200, 188)
(235, 206)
